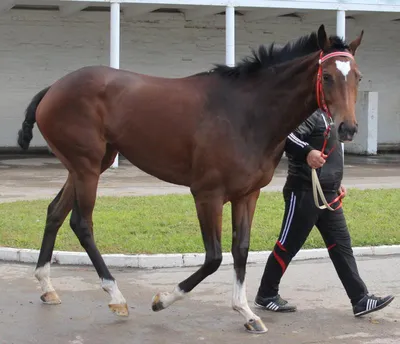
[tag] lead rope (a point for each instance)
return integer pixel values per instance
(316, 185)
(318, 189)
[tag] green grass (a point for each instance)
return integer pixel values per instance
(167, 224)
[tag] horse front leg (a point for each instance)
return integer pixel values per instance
(242, 217)
(209, 212)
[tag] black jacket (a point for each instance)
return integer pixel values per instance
(308, 136)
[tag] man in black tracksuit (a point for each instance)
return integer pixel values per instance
(301, 214)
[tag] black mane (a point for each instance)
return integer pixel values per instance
(275, 54)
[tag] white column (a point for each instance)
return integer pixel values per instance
(341, 32)
(366, 140)
(230, 35)
(341, 23)
(114, 45)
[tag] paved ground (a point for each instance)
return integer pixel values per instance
(35, 177)
(324, 315)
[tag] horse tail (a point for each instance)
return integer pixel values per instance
(25, 134)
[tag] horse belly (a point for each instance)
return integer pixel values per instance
(168, 162)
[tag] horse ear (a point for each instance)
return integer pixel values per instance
(323, 41)
(355, 44)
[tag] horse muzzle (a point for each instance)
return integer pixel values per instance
(347, 131)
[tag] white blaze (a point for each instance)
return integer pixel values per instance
(343, 67)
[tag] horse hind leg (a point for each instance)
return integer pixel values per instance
(56, 213)
(86, 182)
(209, 211)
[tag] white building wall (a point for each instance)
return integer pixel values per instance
(38, 47)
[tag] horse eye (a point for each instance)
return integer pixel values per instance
(327, 77)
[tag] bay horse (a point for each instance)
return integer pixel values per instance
(220, 132)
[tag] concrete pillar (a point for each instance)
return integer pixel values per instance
(366, 140)
(230, 35)
(114, 46)
(341, 24)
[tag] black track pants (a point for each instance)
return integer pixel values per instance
(300, 216)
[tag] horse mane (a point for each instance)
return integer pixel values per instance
(274, 54)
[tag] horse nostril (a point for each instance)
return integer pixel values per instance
(346, 129)
(346, 132)
(340, 128)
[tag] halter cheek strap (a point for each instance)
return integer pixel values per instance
(322, 105)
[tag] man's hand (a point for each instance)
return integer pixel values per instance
(315, 159)
(343, 190)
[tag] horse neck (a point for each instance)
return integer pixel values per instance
(294, 92)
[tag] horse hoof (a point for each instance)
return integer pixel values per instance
(119, 309)
(255, 326)
(157, 304)
(50, 298)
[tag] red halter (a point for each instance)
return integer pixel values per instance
(322, 105)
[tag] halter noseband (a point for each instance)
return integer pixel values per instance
(320, 91)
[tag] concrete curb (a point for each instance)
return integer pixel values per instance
(144, 261)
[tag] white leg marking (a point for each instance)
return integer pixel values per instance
(168, 299)
(239, 300)
(43, 276)
(343, 67)
(111, 287)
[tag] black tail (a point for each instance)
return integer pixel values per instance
(25, 134)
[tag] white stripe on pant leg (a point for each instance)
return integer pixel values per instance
(287, 217)
(291, 205)
(290, 221)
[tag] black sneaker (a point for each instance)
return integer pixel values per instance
(371, 303)
(274, 304)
